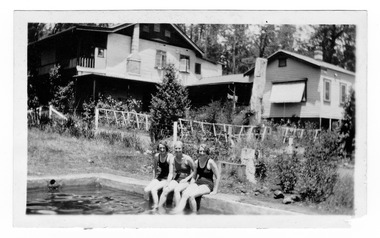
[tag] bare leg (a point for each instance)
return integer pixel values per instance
(166, 191)
(177, 191)
(201, 190)
(154, 192)
(192, 188)
(148, 188)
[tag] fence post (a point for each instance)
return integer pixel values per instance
(96, 118)
(146, 123)
(50, 106)
(175, 124)
(264, 133)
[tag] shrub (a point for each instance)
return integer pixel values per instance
(168, 104)
(342, 198)
(347, 128)
(285, 169)
(318, 173)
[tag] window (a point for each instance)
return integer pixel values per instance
(288, 92)
(184, 63)
(167, 33)
(146, 28)
(282, 62)
(160, 59)
(327, 90)
(157, 27)
(197, 68)
(343, 93)
(101, 53)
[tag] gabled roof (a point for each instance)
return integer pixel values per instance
(123, 26)
(304, 59)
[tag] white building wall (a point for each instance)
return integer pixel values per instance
(294, 70)
(119, 48)
(333, 108)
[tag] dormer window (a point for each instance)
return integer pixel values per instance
(282, 62)
(146, 28)
(167, 33)
(157, 27)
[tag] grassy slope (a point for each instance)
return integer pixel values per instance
(53, 154)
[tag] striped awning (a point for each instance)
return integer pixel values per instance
(289, 92)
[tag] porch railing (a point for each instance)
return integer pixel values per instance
(86, 62)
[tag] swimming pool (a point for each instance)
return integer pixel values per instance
(90, 199)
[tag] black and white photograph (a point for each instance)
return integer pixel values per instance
(190, 118)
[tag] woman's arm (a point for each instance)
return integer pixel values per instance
(216, 171)
(171, 167)
(194, 178)
(155, 156)
(189, 160)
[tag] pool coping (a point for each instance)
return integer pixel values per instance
(220, 202)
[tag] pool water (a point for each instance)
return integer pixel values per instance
(90, 199)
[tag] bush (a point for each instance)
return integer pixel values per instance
(347, 128)
(318, 173)
(343, 195)
(285, 169)
(168, 104)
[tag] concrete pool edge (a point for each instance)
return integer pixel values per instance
(229, 203)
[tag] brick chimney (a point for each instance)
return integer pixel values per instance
(135, 43)
(134, 59)
(318, 54)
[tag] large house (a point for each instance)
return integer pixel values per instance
(126, 60)
(306, 88)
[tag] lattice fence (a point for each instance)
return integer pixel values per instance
(107, 118)
(225, 132)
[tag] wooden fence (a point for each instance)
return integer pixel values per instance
(121, 119)
(222, 131)
(228, 131)
(34, 116)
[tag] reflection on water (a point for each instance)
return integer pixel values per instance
(90, 199)
(84, 200)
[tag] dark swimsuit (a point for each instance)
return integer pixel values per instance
(164, 169)
(182, 170)
(206, 176)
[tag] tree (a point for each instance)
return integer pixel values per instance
(347, 128)
(168, 104)
(264, 41)
(338, 44)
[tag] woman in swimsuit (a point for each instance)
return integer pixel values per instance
(184, 171)
(163, 160)
(202, 182)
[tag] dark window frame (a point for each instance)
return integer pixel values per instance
(282, 62)
(187, 57)
(198, 68)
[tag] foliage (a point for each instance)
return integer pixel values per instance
(338, 44)
(347, 128)
(214, 112)
(343, 195)
(107, 102)
(63, 99)
(285, 169)
(318, 173)
(168, 104)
